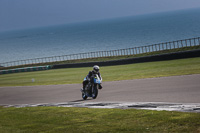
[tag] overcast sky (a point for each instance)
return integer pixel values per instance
(20, 14)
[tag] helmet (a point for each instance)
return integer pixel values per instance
(96, 68)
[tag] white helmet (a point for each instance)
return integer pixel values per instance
(96, 68)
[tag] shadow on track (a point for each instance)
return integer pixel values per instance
(81, 100)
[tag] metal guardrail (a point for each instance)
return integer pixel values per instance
(142, 59)
(120, 52)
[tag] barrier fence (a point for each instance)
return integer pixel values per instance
(120, 52)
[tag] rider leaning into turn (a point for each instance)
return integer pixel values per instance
(90, 74)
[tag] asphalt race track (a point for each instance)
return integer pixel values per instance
(176, 89)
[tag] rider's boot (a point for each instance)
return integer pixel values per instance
(100, 86)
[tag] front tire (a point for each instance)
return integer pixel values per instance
(84, 96)
(95, 92)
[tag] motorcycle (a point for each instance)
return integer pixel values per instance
(91, 89)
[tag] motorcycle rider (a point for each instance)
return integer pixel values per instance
(89, 76)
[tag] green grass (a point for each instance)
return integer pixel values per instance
(109, 73)
(62, 119)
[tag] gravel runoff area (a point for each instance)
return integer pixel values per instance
(176, 93)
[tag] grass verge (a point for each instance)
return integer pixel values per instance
(109, 73)
(62, 119)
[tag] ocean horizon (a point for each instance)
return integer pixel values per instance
(101, 35)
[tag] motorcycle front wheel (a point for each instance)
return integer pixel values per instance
(84, 96)
(95, 92)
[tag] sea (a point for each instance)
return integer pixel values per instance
(101, 35)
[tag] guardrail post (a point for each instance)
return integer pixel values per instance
(178, 44)
(133, 51)
(199, 40)
(194, 42)
(155, 47)
(174, 44)
(181, 44)
(149, 48)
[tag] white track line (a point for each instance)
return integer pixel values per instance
(182, 107)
